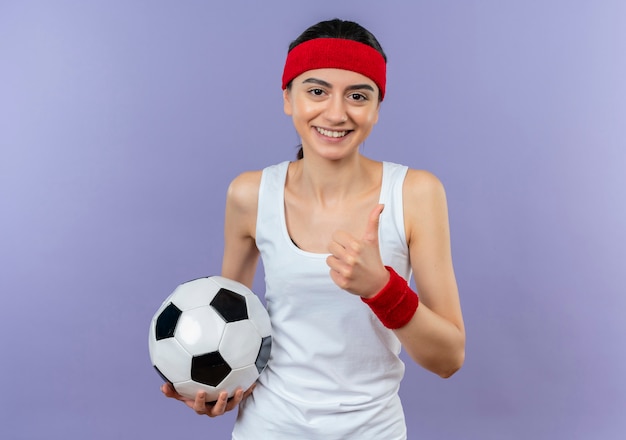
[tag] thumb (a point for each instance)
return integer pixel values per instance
(371, 230)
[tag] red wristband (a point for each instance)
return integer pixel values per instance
(396, 303)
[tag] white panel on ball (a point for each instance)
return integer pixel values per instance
(240, 344)
(190, 389)
(195, 293)
(258, 315)
(199, 330)
(242, 378)
(172, 360)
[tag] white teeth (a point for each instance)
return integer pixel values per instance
(334, 134)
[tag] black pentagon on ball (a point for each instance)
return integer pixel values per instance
(210, 369)
(166, 322)
(231, 306)
(264, 353)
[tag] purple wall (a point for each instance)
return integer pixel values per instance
(121, 124)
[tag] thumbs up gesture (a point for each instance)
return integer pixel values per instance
(355, 263)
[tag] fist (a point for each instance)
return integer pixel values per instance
(355, 263)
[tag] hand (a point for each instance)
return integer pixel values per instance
(201, 407)
(355, 264)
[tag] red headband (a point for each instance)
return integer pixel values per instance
(336, 53)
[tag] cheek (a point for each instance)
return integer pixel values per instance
(303, 110)
(368, 117)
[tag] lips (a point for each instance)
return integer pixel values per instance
(332, 133)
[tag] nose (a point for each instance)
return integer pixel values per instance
(336, 112)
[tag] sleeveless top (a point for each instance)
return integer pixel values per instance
(334, 370)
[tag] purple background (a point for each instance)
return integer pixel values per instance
(122, 123)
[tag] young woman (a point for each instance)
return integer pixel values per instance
(339, 235)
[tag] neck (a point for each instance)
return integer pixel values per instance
(329, 183)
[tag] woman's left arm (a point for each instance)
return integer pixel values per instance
(435, 335)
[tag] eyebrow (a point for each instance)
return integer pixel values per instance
(321, 82)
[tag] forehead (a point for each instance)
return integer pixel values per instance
(339, 78)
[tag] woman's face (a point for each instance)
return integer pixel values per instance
(333, 110)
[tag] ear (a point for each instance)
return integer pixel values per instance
(287, 102)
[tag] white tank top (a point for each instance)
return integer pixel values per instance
(334, 371)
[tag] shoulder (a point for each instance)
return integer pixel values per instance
(424, 202)
(422, 185)
(243, 191)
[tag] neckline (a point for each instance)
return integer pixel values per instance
(283, 217)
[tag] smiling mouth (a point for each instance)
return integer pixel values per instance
(332, 134)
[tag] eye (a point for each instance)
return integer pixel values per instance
(316, 92)
(357, 97)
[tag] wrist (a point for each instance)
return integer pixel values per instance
(396, 303)
(379, 286)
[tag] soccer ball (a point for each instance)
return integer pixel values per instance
(210, 334)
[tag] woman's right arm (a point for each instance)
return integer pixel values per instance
(240, 252)
(239, 263)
